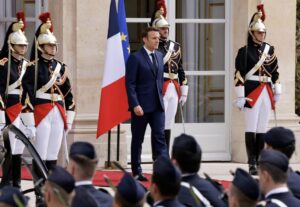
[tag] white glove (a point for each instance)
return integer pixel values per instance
(276, 97)
(1, 129)
(30, 132)
(240, 103)
(182, 100)
(2, 121)
(70, 119)
(184, 89)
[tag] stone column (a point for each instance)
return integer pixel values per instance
(281, 29)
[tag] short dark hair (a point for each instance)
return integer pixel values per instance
(187, 152)
(242, 199)
(147, 30)
(167, 189)
(124, 203)
(87, 167)
(276, 174)
(287, 150)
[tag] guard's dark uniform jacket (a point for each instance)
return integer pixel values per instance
(294, 182)
(11, 102)
(208, 191)
(276, 200)
(58, 94)
(173, 67)
(247, 57)
(102, 199)
(168, 203)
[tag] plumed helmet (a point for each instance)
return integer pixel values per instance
(45, 32)
(14, 35)
(17, 36)
(257, 20)
(158, 19)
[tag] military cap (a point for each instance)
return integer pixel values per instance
(83, 149)
(12, 196)
(186, 144)
(62, 178)
(274, 158)
(279, 137)
(84, 198)
(165, 172)
(246, 184)
(130, 189)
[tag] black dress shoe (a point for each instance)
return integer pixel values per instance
(140, 177)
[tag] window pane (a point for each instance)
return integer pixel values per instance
(135, 35)
(203, 46)
(139, 8)
(200, 9)
(205, 103)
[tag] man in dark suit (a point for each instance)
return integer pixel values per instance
(83, 163)
(273, 169)
(144, 80)
(186, 154)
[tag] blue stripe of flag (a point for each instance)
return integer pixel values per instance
(123, 28)
(113, 25)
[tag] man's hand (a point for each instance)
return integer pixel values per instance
(138, 110)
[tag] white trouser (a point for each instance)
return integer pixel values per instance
(49, 134)
(257, 117)
(171, 103)
(16, 145)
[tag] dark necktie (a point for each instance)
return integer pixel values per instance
(154, 61)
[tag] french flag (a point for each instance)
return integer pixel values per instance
(113, 102)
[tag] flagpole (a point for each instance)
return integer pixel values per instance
(118, 143)
(108, 149)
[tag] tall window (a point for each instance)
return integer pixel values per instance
(31, 8)
(201, 27)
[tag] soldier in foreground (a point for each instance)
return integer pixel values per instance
(244, 190)
(82, 166)
(273, 172)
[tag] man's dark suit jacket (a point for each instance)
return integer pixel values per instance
(144, 82)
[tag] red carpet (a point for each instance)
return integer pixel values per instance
(114, 175)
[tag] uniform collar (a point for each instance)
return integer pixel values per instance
(148, 51)
(83, 182)
(277, 191)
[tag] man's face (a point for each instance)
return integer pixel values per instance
(260, 36)
(20, 49)
(152, 40)
(50, 49)
(164, 32)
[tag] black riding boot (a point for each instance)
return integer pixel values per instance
(260, 143)
(168, 138)
(50, 164)
(251, 152)
(16, 170)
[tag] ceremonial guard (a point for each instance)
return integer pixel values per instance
(49, 91)
(12, 69)
(175, 88)
(257, 86)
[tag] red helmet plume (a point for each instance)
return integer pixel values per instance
(260, 7)
(21, 16)
(44, 17)
(161, 4)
